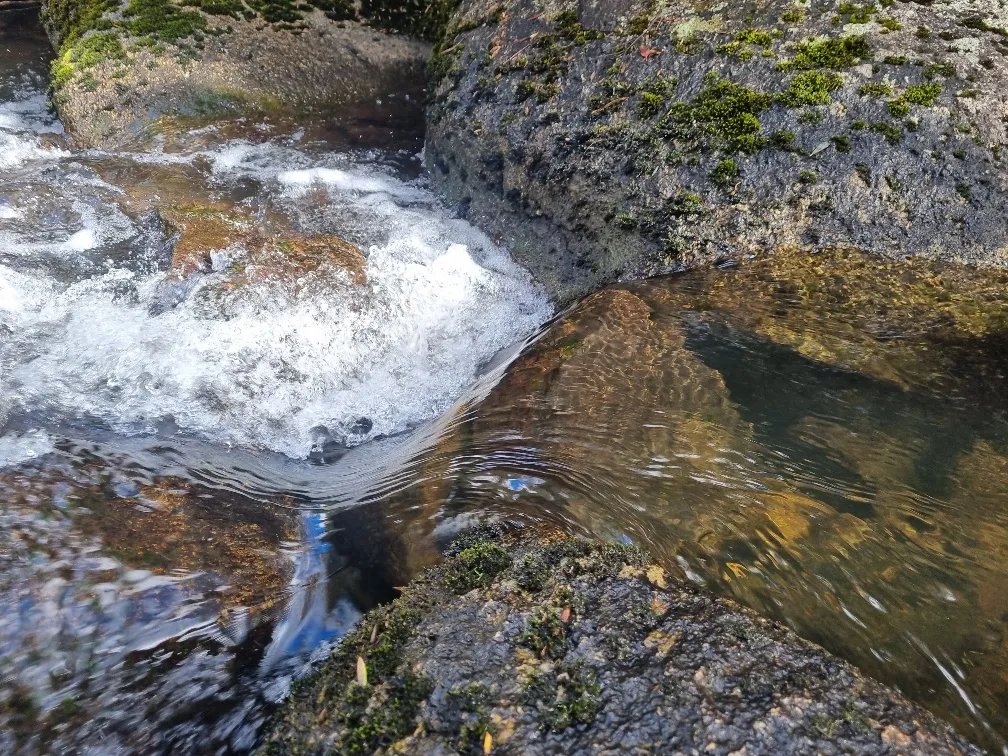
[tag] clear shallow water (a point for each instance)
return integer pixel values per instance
(207, 475)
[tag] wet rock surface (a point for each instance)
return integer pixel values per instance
(562, 646)
(614, 140)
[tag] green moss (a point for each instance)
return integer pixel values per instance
(531, 572)
(934, 70)
(512, 64)
(162, 20)
(895, 60)
(856, 14)
(545, 633)
(373, 727)
(650, 105)
(841, 143)
(841, 52)
(979, 23)
(626, 221)
(725, 173)
(858, 125)
(893, 134)
(690, 45)
(736, 50)
(863, 172)
(685, 205)
(807, 176)
(792, 16)
(477, 566)
(875, 89)
(812, 116)
(87, 53)
(810, 88)
(723, 116)
(472, 723)
(541, 92)
(899, 108)
(751, 36)
(783, 139)
(568, 697)
(922, 94)
(890, 24)
(426, 19)
(639, 24)
(964, 191)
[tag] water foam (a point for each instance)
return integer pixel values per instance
(273, 365)
(22, 119)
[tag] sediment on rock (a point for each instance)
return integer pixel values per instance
(124, 64)
(562, 646)
(621, 138)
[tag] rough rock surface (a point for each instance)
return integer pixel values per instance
(619, 138)
(123, 64)
(567, 647)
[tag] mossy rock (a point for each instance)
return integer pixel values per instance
(546, 127)
(124, 65)
(632, 661)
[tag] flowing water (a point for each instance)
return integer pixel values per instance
(225, 433)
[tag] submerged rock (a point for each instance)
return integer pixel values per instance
(618, 139)
(562, 646)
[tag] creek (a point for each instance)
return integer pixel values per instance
(253, 377)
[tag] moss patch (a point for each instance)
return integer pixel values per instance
(477, 566)
(567, 698)
(724, 116)
(842, 52)
(810, 88)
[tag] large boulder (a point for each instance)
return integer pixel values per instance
(124, 64)
(619, 138)
(566, 647)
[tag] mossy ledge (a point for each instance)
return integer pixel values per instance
(555, 645)
(553, 123)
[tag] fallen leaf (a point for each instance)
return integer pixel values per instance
(361, 671)
(656, 575)
(565, 614)
(374, 633)
(648, 52)
(487, 742)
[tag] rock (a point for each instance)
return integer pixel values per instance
(561, 646)
(220, 252)
(126, 65)
(617, 139)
